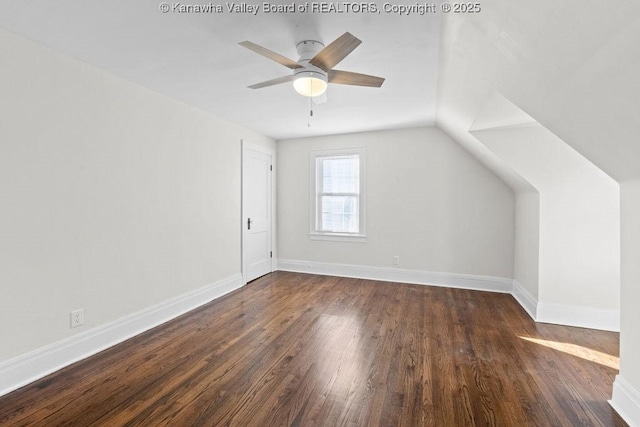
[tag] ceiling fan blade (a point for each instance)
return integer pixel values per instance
(271, 55)
(335, 52)
(271, 82)
(354, 79)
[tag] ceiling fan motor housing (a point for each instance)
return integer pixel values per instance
(307, 49)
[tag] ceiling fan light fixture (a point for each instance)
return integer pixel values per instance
(310, 83)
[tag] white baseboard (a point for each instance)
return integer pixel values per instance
(22, 370)
(582, 317)
(452, 280)
(607, 320)
(525, 299)
(626, 401)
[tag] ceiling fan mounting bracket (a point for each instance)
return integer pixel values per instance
(307, 49)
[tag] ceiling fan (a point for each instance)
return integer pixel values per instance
(314, 68)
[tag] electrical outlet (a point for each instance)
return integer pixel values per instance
(396, 260)
(77, 318)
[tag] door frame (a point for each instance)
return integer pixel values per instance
(246, 145)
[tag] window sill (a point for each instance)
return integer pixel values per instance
(339, 237)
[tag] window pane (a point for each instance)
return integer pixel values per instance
(340, 214)
(336, 207)
(341, 175)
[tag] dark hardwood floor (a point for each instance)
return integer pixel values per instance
(302, 350)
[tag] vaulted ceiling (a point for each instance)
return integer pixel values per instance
(572, 67)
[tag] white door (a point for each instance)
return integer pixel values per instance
(257, 174)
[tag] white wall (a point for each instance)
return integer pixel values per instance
(574, 68)
(626, 392)
(428, 201)
(527, 243)
(112, 198)
(579, 225)
(494, 67)
(630, 347)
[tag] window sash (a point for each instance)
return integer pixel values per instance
(345, 221)
(325, 227)
(347, 225)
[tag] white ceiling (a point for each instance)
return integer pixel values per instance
(570, 66)
(195, 58)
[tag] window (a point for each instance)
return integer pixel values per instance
(337, 194)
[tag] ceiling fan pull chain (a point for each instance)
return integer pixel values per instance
(310, 113)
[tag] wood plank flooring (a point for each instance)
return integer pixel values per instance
(304, 350)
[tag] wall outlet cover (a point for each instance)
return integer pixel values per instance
(77, 318)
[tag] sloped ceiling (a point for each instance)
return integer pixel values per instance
(195, 58)
(572, 66)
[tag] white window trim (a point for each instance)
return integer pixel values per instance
(333, 236)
